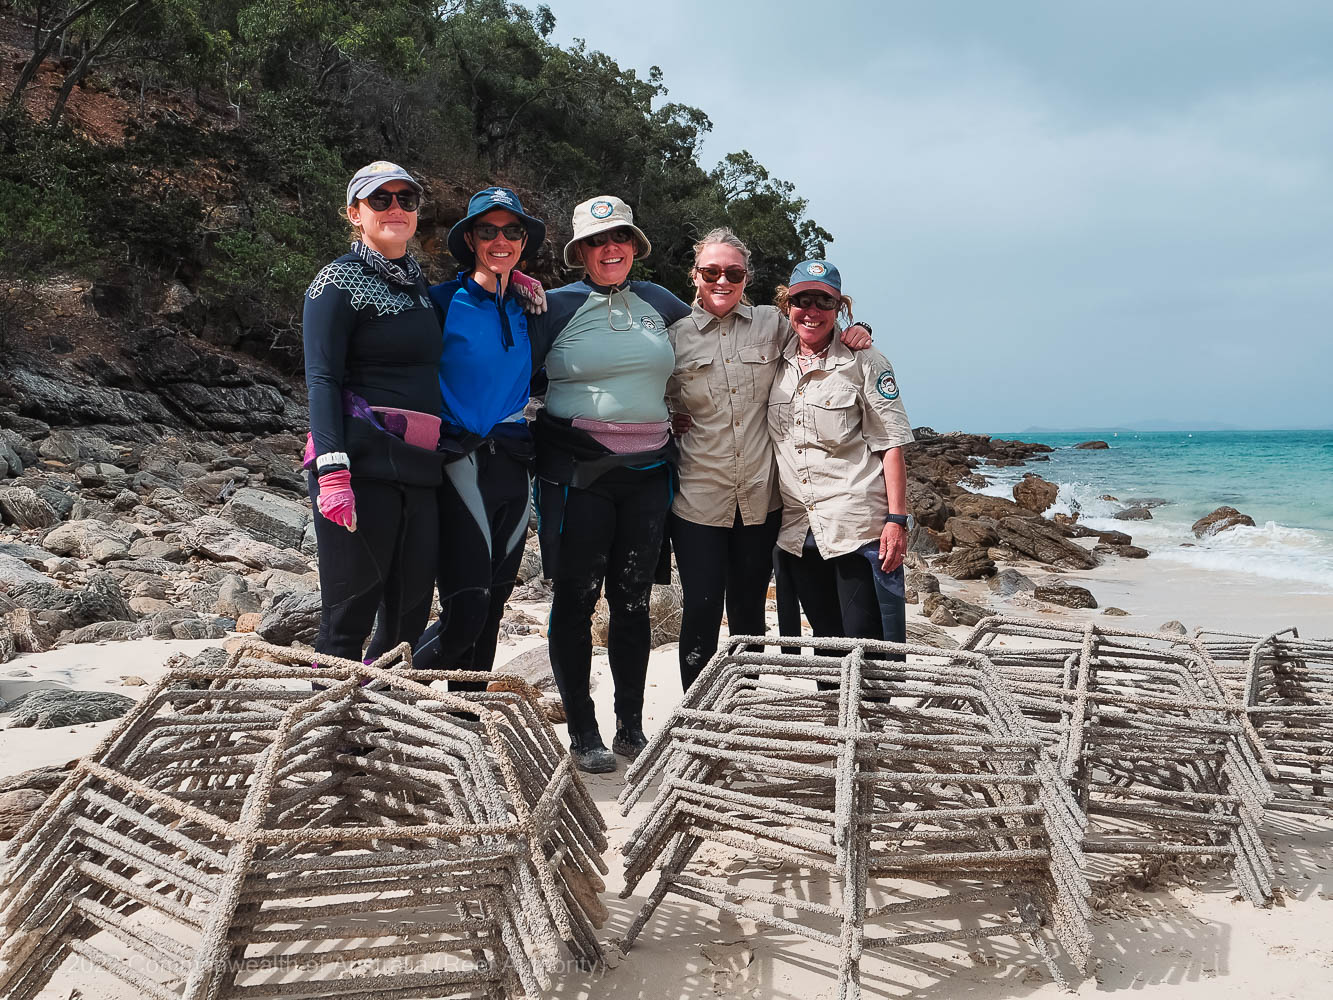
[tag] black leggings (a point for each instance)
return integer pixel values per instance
(483, 522)
(849, 595)
(389, 559)
(612, 533)
(731, 564)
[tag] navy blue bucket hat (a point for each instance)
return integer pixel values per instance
(487, 200)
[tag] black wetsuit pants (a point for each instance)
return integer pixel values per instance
(483, 508)
(388, 560)
(848, 595)
(611, 533)
(717, 565)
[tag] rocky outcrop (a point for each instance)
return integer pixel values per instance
(966, 564)
(213, 538)
(1092, 446)
(1035, 493)
(1133, 514)
(1044, 542)
(1009, 582)
(291, 618)
(951, 611)
(22, 507)
(58, 707)
(268, 517)
(1222, 519)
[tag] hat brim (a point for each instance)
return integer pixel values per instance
(462, 253)
(642, 246)
(372, 184)
(813, 286)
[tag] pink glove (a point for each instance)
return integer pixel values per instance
(336, 501)
(530, 290)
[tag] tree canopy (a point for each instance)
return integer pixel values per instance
(245, 117)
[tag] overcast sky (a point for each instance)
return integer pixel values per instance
(1061, 214)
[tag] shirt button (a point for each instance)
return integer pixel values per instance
(804, 481)
(811, 507)
(798, 423)
(733, 392)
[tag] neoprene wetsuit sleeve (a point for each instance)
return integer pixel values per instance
(327, 323)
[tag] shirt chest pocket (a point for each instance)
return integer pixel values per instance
(691, 388)
(834, 413)
(758, 365)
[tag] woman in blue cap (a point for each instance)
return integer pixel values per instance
(838, 427)
(485, 365)
(371, 342)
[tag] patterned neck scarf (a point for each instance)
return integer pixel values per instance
(404, 275)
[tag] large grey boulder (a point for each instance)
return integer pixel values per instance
(30, 554)
(114, 631)
(54, 708)
(175, 506)
(1066, 595)
(73, 445)
(11, 464)
(100, 601)
(268, 517)
(90, 539)
(1043, 541)
(966, 564)
(291, 618)
(15, 572)
(1009, 582)
(22, 507)
(214, 538)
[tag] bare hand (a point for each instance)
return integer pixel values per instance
(892, 546)
(680, 423)
(856, 337)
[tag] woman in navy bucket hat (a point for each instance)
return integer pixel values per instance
(485, 370)
(371, 343)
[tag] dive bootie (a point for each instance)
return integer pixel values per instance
(590, 753)
(629, 741)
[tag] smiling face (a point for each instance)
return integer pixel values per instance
(385, 232)
(719, 297)
(813, 325)
(499, 255)
(609, 263)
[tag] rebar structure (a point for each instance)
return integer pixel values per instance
(1161, 759)
(936, 824)
(1286, 684)
(238, 835)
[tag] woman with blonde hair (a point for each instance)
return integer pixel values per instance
(727, 509)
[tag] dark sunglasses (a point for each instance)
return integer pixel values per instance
(621, 235)
(814, 300)
(733, 274)
(408, 201)
(486, 231)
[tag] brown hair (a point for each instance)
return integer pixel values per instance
(782, 299)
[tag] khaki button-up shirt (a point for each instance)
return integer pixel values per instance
(828, 426)
(722, 379)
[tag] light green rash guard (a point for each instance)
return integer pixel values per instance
(611, 360)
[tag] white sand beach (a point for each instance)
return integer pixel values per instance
(1187, 935)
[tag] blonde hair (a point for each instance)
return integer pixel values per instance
(727, 238)
(782, 299)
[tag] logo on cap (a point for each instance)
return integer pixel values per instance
(601, 209)
(502, 196)
(380, 167)
(815, 269)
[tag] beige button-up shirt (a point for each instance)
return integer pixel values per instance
(722, 379)
(828, 426)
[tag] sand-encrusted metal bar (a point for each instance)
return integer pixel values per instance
(828, 768)
(1286, 684)
(1161, 758)
(243, 835)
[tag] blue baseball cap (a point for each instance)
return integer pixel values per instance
(815, 275)
(373, 176)
(487, 200)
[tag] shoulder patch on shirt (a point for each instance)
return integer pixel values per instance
(887, 384)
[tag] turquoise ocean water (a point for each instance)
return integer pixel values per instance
(1282, 479)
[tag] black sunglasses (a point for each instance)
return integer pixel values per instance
(408, 201)
(817, 300)
(621, 235)
(487, 231)
(733, 274)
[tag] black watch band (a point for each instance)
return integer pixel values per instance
(865, 325)
(898, 519)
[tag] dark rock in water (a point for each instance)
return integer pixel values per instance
(1115, 612)
(23, 507)
(1066, 594)
(1092, 445)
(1035, 493)
(114, 631)
(972, 531)
(1130, 551)
(1220, 520)
(1010, 581)
(1150, 502)
(291, 618)
(1113, 537)
(1044, 541)
(1173, 627)
(1133, 514)
(966, 564)
(52, 708)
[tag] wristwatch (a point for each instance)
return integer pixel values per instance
(898, 519)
